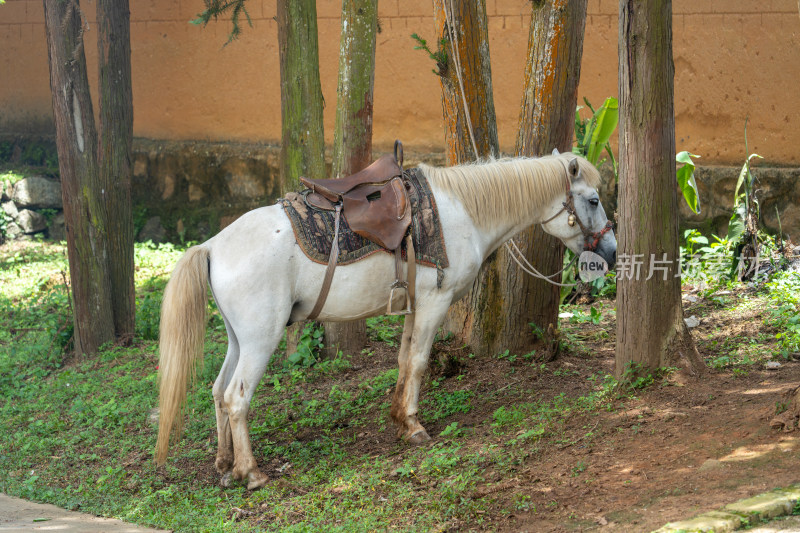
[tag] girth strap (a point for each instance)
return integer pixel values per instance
(334, 257)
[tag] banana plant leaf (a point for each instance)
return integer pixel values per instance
(686, 180)
(602, 127)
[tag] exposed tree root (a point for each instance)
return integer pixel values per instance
(787, 417)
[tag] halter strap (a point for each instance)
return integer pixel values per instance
(590, 239)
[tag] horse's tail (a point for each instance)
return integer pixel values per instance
(183, 325)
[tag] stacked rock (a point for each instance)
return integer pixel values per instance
(32, 205)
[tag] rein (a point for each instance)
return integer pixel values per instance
(590, 239)
(529, 269)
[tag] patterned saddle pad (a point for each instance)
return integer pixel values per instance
(314, 229)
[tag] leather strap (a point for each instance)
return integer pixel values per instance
(409, 284)
(411, 275)
(332, 260)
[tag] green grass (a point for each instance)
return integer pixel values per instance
(784, 313)
(78, 434)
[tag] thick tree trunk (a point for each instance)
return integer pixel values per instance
(84, 212)
(547, 115)
(302, 139)
(469, 25)
(302, 133)
(352, 145)
(115, 155)
(473, 319)
(650, 327)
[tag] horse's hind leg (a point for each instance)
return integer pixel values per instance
(224, 462)
(254, 354)
(413, 362)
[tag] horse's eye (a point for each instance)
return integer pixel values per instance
(594, 202)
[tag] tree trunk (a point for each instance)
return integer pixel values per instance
(352, 145)
(650, 328)
(84, 212)
(474, 318)
(302, 133)
(115, 155)
(302, 139)
(547, 116)
(469, 25)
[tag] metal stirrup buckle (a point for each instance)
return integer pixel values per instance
(399, 286)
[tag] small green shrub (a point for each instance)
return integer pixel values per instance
(308, 346)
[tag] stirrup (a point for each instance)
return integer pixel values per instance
(399, 286)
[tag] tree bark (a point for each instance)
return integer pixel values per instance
(352, 145)
(470, 27)
(474, 318)
(115, 156)
(650, 327)
(302, 139)
(84, 212)
(302, 132)
(547, 116)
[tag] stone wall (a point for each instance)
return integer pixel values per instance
(189, 191)
(31, 206)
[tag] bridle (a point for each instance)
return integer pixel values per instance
(591, 239)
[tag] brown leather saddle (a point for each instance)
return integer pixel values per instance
(375, 203)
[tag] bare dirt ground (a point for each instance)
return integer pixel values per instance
(673, 450)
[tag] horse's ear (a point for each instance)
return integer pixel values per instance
(556, 152)
(573, 167)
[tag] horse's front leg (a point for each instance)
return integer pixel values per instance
(398, 410)
(415, 349)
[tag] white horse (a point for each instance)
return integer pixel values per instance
(262, 281)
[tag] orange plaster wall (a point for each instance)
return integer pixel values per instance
(733, 58)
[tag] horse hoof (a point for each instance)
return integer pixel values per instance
(227, 480)
(256, 480)
(419, 437)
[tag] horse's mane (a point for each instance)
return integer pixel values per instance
(508, 189)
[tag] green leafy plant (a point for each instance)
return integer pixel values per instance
(595, 315)
(593, 133)
(636, 377)
(216, 8)
(507, 355)
(385, 328)
(686, 181)
(451, 430)
(579, 468)
(5, 220)
(745, 204)
(784, 313)
(442, 404)
(439, 56)
(308, 346)
(148, 315)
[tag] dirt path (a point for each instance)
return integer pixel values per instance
(22, 515)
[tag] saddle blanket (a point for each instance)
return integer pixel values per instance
(314, 229)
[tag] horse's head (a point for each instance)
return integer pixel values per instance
(578, 218)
